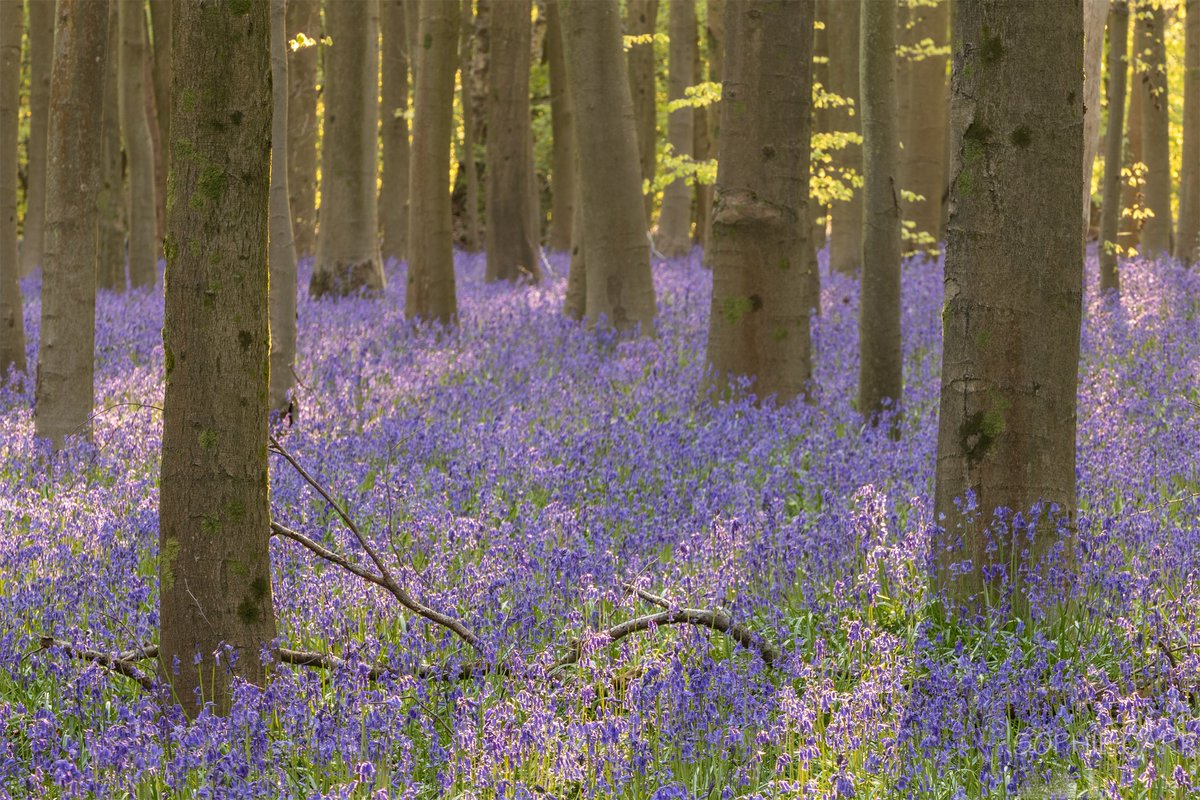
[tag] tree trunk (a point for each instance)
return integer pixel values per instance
(702, 150)
(1110, 216)
(157, 146)
(1187, 242)
(110, 205)
(160, 21)
(1095, 14)
(304, 16)
(610, 224)
(12, 321)
(818, 213)
(347, 243)
(759, 323)
(393, 192)
(135, 133)
(562, 122)
(1006, 432)
(282, 249)
(924, 124)
(73, 150)
(1156, 143)
(512, 240)
(714, 36)
(1132, 196)
(466, 54)
(214, 515)
(41, 62)
(845, 237)
(879, 374)
(642, 20)
(674, 236)
(430, 290)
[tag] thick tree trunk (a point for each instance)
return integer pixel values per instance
(1095, 14)
(347, 243)
(562, 122)
(759, 323)
(73, 149)
(466, 54)
(393, 192)
(1006, 432)
(1187, 242)
(512, 241)
(880, 382)
(110, 201)
(846, 222)
(617, 283)
(12, 323)
(1156, 143)
(642, 20)
(674, 236)
(282, 252)
(41, 62)
(135, 133)
(430, 290)
(926, 97)
(1110, 210)
(304, 16)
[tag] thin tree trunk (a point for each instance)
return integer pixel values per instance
(12, 321)
(511, 239)
(846, 223)
(135, 133)
(818, 213)
(674, 236)
(393, 192)
(73, 149)
(214, 514)
(41, 62)
(1006, 432)
(110, 201)
(1110, 217)
(430, 290)
(466, 50)
(562, 122)
(575, 302)
(611, 226)
(926, 96)
(1156, 143)
(641, 21)
(714, 34)
(282, 250)
(879, 375)
(160, 21)
(702, 149)
(1187, 242)
(759, 323)
(1132, 192)
(1095, 14)
(348, 258)
(304, 16)
(157, 145)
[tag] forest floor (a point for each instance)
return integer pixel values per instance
(520, 471)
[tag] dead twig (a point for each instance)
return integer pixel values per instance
(120, 663)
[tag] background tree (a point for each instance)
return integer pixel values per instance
(1187, 238)
(761, 301)
(135, 133)
(846, 223)
(393, 191)
(12, 321)
(708, 117)
(282, 250)
(1155, 121)
(613, 275)
(430, 290)
(641, 21)
(214, 516)
(303, 17)
(64, 376)
(1132, 196)
(562, 171)
(347, 243)
(512, 241)
(1006, 430)
(1095, 15)
(674, 236)
(471, 120)
(110, 199)
(924, 96)
(1110, 208)
(160, 28)
(41, 62)
(879, 375)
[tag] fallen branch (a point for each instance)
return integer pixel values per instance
(120, 663)
(737, 631)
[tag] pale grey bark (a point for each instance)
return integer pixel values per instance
(925, 94)
(303, 16)
(282, 249)
(562, 128)
(674, 235)
(1156, 143)
(1187, 239)
(135, 133)
(846, 217)
(110, 200)
(1110, 209)
(12, 323)
(41, 61)
(393, 190)
(641, 20)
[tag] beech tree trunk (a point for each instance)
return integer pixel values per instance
(214, 515)
(347, 243)
(879, 374)
(160, 22)
(1132, 194)
(846, 217)
(12, 321)
(714, 33)
(429, 293)
(642, 20)
(610, 226)
(303, 16)
(562, 129)
(674, 236)
(1006, 430)
(73, 148)
(1110, 210)
(41, 62)
(282, 250)
(135, 133)
(702, 150)
(512, 239)
(393, 192)
(110, 201)
(1156, 143)
(1187, 241)
(466, 54)
(926, 97)
(1095, 14)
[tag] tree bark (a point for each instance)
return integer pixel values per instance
(846, 223)
(610, 226)
(347, 243)
(214, 516)
(135, 133)
(1095, 14)
(1156, 143)
(41, 62)
(304, 16)
(73, 149)
(674, 237)
(110, 201)
(642, 20)
(393, 192)
(430, 292)
(1187, 242)
(924, 124)
(1006, 431)
(1132, 195)
(12, 321)
(512, 241)
(1110, 216)
(282, 249)
(160, 21)
(466, 54)
(759, 323)
(879, 374)
(562, 129)
(714, 37)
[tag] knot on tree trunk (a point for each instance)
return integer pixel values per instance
(741, 207)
